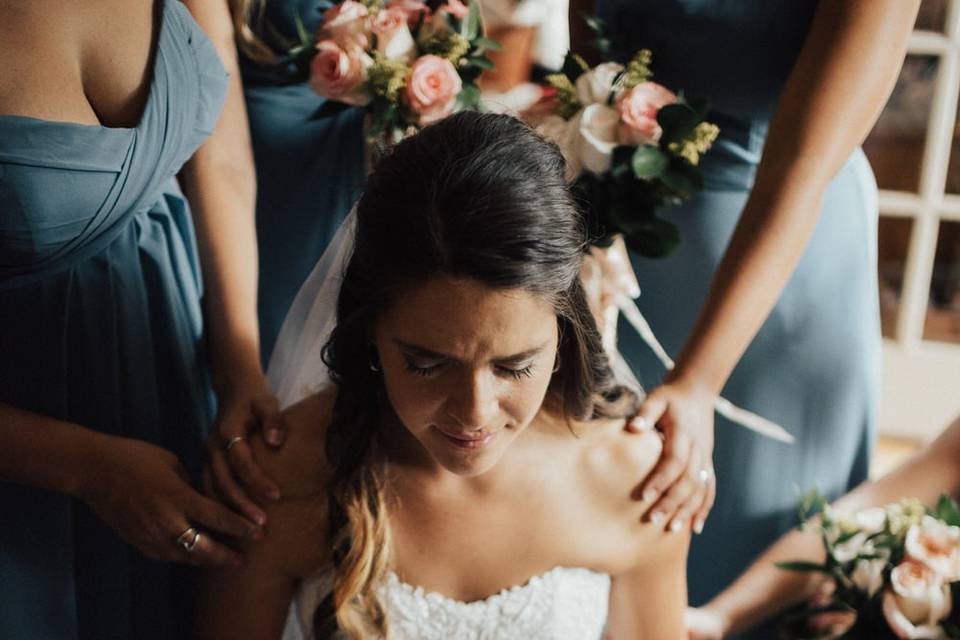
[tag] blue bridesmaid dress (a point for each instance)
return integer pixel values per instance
(100, 325)
(309, 170)
(814, 365)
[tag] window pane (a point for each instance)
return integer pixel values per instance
(895, 146)
(894, 241)
(932, 16)
(943, 312)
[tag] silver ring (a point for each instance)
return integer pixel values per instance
(189, 539)
(229, 444)
(704, 475)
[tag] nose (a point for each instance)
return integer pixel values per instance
(474, 404)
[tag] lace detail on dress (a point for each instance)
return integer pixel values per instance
(561, 604)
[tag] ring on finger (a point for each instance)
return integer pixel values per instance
(229, 444)
(704, 475)
(189, 539)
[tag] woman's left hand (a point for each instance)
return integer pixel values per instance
(681, 488)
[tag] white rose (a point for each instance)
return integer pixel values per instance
(595, 85)
(597, 137)
(394, 39)
(937, 545)
(871, 520)
(916, 602)
(564, 133)
(867, 575)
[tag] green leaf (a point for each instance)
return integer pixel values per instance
(655, 239)
(488, 44)
(302, 32)
(677, 121)
(470, 29)
(573, 66)
(682, 178)
(648, 162)
(948, 511)
(802, 566)
(480, 61)
(469, 97)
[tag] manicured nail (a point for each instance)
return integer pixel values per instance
(274, 494)
(649, 494)
(698, 527)
(275, 437)
(677, 526)
(260, 519)
(656, 517)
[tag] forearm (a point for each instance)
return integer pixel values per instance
(220, 183)
(46, 453)
(764, 590)
(831, 99)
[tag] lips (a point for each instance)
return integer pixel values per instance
(467, 440)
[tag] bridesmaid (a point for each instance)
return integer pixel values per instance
(105, 391)
(778, 251)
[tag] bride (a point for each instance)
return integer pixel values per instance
(461, 473)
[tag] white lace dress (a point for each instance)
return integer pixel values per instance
(561, 604)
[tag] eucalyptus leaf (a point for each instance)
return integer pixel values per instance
(648, 162)
(947, 511)
(469, 96)
(470, 29)
(480, 61)
(657, 240)
(487, 44)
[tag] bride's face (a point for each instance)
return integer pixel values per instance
(466, 367)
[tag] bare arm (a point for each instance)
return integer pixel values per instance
(763, 590)
(220, 182)
(838, 86)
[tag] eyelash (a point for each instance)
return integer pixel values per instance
(516, 374)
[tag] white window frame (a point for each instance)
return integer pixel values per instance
(921, 378)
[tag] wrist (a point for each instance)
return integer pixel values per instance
(88, 464)
(236, 368)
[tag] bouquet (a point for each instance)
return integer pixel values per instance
(408, 62)
(631, 144)
(891, 572)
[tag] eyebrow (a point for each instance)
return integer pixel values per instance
(512, 359)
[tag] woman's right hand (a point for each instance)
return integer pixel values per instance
(143, 492)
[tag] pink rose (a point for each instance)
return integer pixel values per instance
(638, 109)
(414, 10)
(456, 8)
(348, 20)
(916, 601)
(393, 35)
(340, 73)
(433, 88)
(937, 545)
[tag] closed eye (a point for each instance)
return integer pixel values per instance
(420, 368)
(517, 374)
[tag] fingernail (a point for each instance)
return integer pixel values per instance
(640, 424)
(677, 526)
(698, 527)
(656, 517)
(649, 494)
(275, 437)
(260, 519)
(273, 494)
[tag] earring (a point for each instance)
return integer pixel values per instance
(373, 358)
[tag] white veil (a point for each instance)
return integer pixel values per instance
(296, 367)
(297, 370)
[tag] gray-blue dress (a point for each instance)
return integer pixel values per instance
(100, 324)
(309, 170)
(814, 365)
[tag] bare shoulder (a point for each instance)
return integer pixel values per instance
(616, 461)
(299, 467)
(297, 532)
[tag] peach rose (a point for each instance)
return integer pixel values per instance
(412, 9)
(347, 21)
(916, 601)
(394, 40)
(340, 73)
(937, 545)
(638, 109)
(456, 8)
(432, 88)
